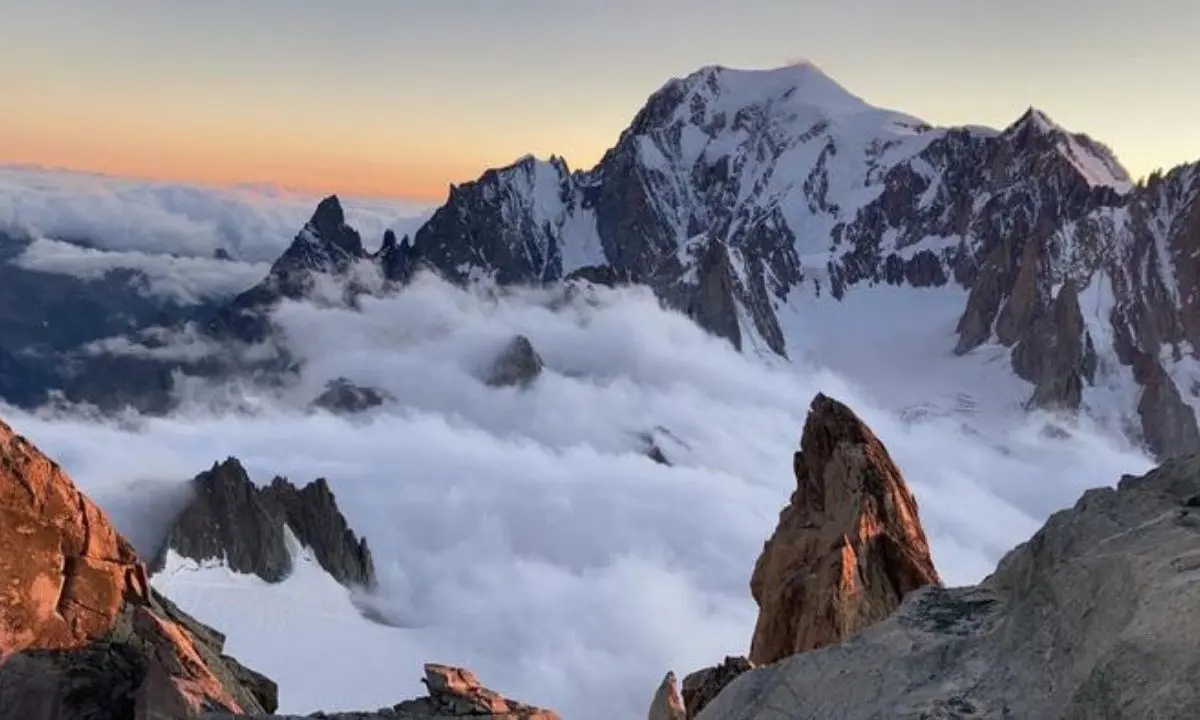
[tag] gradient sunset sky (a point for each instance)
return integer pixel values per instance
(402, 97)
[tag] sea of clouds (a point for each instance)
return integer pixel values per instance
(524, 533)
(85, 225)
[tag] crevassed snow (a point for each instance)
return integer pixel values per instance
(909, 333)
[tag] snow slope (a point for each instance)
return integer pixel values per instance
(291, 629)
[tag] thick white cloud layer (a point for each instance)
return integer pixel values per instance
(170, 231)
(523, 533)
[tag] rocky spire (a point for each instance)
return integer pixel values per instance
(246, 526)
(849, 545)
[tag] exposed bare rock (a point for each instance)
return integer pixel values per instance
(651, 448)
(82, 635)
(702, 686)
(234, 520)
(707, 294)
(1056, 354)
(342, 396)
(849, 545)
(667, 705)
(518, 364)
(453, 693)
(1168, 422)
(1093, 617)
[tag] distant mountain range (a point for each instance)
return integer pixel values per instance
(731, 194)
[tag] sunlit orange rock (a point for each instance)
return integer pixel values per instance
(849, 544)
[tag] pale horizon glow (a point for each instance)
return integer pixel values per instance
(400, 99)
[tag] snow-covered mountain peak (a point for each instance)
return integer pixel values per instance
(801, 84)
(800, 97)
(1095, 163)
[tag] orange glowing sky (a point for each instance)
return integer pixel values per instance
(400, 98)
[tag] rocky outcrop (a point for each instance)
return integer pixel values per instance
(667, 705)
(325, 245)
(849, 545)
(342, 396)
(1168, 422)
(702, 686)
(707, 294)
(517, 365)
(1091, 618)
(453, 693)
(82, 634)
(233, 520)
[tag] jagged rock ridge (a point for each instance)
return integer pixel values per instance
(233, 520)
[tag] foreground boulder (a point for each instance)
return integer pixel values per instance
(234, 520)
(453, 693)
(849, 545)
(82, 634)
(1093, 617)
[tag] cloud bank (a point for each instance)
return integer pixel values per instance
(170, 232)
(523, 533)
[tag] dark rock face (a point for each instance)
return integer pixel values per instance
(343, 396)
(227, 520)
(518, 364)
(702, 686)
(496, 218)
(313, 515)
(1056, 353)
(326, 245)
(709, 298)
(652, 450)
(1168, 422)
(232, 519)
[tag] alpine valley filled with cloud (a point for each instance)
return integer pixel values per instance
(561, 408)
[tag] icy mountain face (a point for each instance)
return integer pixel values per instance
(740, 196)
(732, 190)
(749, 161)
(794, 177)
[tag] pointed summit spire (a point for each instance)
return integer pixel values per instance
(329, 214)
